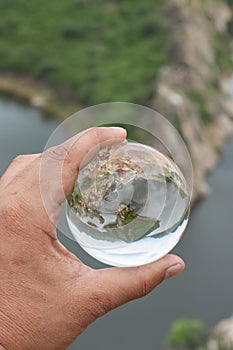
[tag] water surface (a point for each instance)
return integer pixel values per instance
(204, 290)
(23, 129)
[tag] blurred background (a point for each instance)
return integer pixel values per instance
(174, 56)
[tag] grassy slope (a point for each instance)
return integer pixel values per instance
(103, 50)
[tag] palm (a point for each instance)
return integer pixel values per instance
(47, 295)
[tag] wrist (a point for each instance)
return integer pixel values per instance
(13, 336)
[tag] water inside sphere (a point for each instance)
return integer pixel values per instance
(129, 206)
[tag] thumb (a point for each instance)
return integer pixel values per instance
(113, 287)
(60, 164)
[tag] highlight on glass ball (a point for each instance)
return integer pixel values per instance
(130, 202)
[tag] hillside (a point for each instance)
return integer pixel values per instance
(193, 90)
(172, 55)
(99, 50)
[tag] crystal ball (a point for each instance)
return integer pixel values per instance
(129, 205)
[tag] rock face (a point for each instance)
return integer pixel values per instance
(193, 91)
(222, 336)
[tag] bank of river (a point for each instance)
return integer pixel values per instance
(203, 291)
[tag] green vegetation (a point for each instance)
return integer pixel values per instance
(223, 54)
(187, 335)
(199, 99)
(229, 2)
(97, 50)
(221, 44)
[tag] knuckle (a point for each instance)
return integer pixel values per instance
(145, 287)
(59, 153)
(147, 283)
(96, 138)
(96, 134)
(92, 138)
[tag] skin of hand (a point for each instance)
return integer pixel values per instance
(47, 295)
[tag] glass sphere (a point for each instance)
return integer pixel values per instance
(129, 206)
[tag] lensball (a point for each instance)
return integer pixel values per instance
(129, 205)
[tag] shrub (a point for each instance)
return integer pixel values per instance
(150, 28)
(47, 70)
(223, 53)
(187, 335)
(73, 32)
(201, 103)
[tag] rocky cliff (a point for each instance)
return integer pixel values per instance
(222, 336)
(193, 91)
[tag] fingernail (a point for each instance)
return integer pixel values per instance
(117, 128)
(173, 271)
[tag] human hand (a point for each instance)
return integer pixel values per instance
(47, 295)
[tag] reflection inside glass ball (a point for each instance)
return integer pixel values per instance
(129, 205)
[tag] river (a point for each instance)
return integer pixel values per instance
(204, 290)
